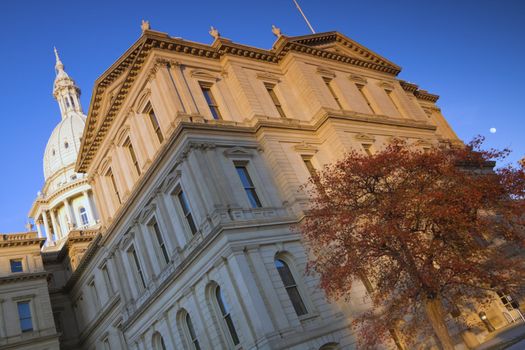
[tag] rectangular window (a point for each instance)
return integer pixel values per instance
(135, 260)
(183, 201)
(275, 100)
(129, 146)
(367, 148)
(155, 123)
(107, 278)
(154, 226)
(309, 166)
(363, 94)
(247, 183)
(16, 265)
(328, 83)
(389, 94)
(24, 315)
(114, 184)
(107, 346)
(94, 293)
(210, 100)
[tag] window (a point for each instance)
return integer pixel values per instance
(309, 166)
(328, 83)
(389, 94)
(107, 345)
(158, 342)
(114, 184)
(83, 216)
(16, 265)
(247, 183)
(275, 100)
(154, 226)
(225, 313)
(291, 287)
(155, 123)
(210, 100)
(363, 94)
(107, 278)
(367, 148)
(183, 201)
(94, 293)
(138, 270)
(129, 146)
(24, 315)
(66, 144)
(191, 333)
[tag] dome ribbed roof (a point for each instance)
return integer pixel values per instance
(64, 144)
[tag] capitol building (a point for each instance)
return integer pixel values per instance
(167, 217)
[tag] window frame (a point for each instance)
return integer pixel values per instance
(329, 84)
(190, 228)
(299, 285)
(21, 260)
(244, 164)
(276, 102)
(132, 155)
(189, 330)
(137, 269)
(82, 213)
(210, 99)
(161, 249)
(226, 323)
(154, 122)
(29, 303)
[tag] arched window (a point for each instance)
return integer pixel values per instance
(158, 342)
(291, 287)
(192, 336)
(224, 309)
(83, 216)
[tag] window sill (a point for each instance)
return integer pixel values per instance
(307, 317)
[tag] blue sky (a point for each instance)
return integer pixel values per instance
(469, 52)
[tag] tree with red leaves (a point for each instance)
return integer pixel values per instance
(432, 231)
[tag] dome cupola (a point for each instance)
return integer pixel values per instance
(63, 145)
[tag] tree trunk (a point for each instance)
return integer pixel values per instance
(434, 311)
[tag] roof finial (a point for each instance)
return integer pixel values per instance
(58, 65)
(214, 33)
(276, 31)
(145, 26)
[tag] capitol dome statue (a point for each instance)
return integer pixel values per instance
(65, 202)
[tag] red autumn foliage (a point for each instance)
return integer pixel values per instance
(433, 231)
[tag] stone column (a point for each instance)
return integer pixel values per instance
(56, 230)
(49, 236)
(70, 214)
(38, 228)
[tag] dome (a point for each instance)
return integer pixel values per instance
(64, 144)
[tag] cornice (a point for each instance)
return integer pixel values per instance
(132, 61)
(418, 93)
(426, 96)
(23, 277)
(20, 239)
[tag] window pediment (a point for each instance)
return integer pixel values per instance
(359, 79)
(365, 138)
(238, 152)
(306, 148)
(204, 75)
(268, 77)
(325, 72)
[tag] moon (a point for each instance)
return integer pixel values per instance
(492, 130)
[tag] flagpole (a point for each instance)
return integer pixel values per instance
(304, 16)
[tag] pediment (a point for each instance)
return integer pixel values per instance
(238, 152)
(338, 43)
(365, 138)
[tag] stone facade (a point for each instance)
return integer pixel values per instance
(194, 158)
